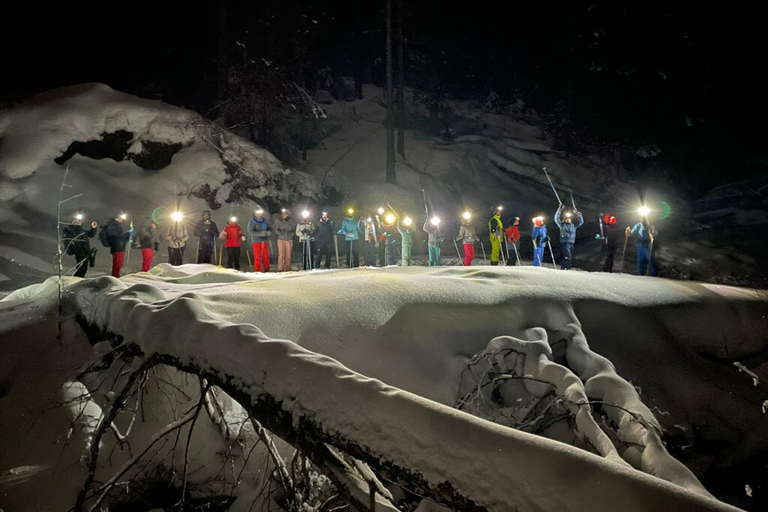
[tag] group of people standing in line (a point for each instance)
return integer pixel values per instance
(375, 236)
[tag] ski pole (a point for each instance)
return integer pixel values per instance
(249, 259)
(650, 254)
(483, 248)
(551, 252)
(457, 249)
(221, 253)
(623, 251)
(501, 251)
(336, 245)
(197, 251)
(552, 185)
(573, 202)
(517, 255)
(350, 254)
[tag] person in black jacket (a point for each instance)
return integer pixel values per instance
(612, 240)
(76, 243)
(148, 242)
(117, 239)
(324, 234)
(207, 232)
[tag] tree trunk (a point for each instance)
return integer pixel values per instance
(221, 39)
(390, 176)
(400, 82)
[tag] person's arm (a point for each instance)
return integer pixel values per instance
(579, 220)
(198, 229)
(559, 217)
(184, 234)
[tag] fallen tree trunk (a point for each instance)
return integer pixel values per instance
(309, 399)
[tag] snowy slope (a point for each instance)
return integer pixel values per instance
(167, 159)
(380, 353)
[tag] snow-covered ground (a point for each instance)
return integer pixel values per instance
(375, 362)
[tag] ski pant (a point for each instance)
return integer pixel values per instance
(117, 263)
(495, 249)
(567, 249)
(233, 258)
(177, 256)
(383, 252)
(511, 253)
(538, 254)
(643, 255)
(353, 255)
(326, 250)
(146, 259)
(390, 251)
(81, 265)
(434, 255)
(284, 248)
(469, 254)
(369, 253)
(204, 252)
(260, 257)
(406, 255)
(610, 250)
(307, 255)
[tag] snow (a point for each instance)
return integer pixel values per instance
(392, 342)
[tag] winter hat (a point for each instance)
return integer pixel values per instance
(285, 210)
(511, 221)
(258, 211)
(207, 211)
(609, 219)
(538, 221)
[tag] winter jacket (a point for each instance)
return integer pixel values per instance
(495, 226)
(284, 228)
(258, 229)
(370, 231)
(350, 229)
(116, 237)
(539, 235)
(433, 232)
(386, 232)
(148, 238)
(513, 234)
(305, 226)
(406, 233)
(612, 235)
(325, 233)
(643, 234)
(232, 234)
(75, 240)
(467, 233)
(206, 231)
(177, 235)
(568, 229)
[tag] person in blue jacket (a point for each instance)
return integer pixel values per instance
(645, 235)
(539, 237)
(568, 224)
(258, 229)
(350, 228)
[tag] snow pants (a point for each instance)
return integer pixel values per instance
(204, 252)
(369, 253)
(469, 254)
(353, 253)
(117, 263)
(307, 255)
(146, 259)
(390, 251)
(434, 255)
(260, 257)
(567, 250)
(177, 256)
(406, 255)
(382, 250)
(326, 250)
(643, 255)
(538, 254)
(511, 253)
(495, 249)
(610, 250)
(284, 248)
(233, 258)
(81, 264)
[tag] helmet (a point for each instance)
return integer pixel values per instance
(609, 219)
(258, 211)
(538, 221)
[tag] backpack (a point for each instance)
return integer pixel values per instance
(103, 238)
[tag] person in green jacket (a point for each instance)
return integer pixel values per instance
(406, 232)
(496, 230)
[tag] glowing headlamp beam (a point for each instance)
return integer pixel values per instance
(305, 213)
(177, 216)
(643, 211)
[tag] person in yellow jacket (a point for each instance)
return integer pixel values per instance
(496, 230)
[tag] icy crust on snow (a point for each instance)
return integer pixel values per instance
(203, 324)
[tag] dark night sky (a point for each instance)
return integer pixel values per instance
(711, 55)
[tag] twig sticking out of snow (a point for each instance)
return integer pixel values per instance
(742, 368)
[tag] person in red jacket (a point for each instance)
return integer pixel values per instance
(233, 236)
(512, 235)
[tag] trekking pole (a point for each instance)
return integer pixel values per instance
(573, 202)
(517, 255)
(623, 251)
(336, 245)
(457, 250)
(197, 251)
(128, 249)
(249, 259)
(551, 252)
(350, 253)
(483, 248)
(501, 250)
(552, 185)
(650, 254)
(221, 253)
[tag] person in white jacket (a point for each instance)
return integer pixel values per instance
(176, 236)
(305, 230)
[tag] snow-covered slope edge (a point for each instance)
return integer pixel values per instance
(517, 470)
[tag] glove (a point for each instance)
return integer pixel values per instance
(94, 225)
(627, 231)
(242, 238)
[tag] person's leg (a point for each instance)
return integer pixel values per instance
(256, 257)
(567, 250)
(642, 260)
(117, 263)
(81, 264)
(236, 257)
(495, 251)
(146, 259)
(537, 253)
(469, 254)
(608, 264)
(264, 257)
(280, 254)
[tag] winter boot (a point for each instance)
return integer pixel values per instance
(494, 263)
